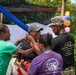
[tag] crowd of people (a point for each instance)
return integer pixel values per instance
(42, 54)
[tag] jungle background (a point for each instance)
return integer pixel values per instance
(41, 17)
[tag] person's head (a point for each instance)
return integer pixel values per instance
(4, 32)
(57, 24)
(45, 40)
(34, 31)
(56, 27)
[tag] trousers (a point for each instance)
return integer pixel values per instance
(12, 68)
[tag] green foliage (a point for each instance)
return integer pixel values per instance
(73, 18)
(75, 48)
(50, 3)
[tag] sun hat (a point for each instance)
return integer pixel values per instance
(58, 20)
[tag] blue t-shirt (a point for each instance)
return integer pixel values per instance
(46, 64)
(6, 50)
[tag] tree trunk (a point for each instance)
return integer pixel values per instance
(63, 9)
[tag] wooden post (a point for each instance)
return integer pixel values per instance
(63, 9)
(1, 18)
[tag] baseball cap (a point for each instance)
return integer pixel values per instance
(34, 27)
(58, 20)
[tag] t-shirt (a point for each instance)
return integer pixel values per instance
(46, 64)
(64, 45)
(6, 50)
(26, 45)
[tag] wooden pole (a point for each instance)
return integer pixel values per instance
(1, 18)
(63, 9)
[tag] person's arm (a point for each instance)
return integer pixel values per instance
(19, 41)
(35, 45)
(21, 69)
(28, 51)
(25, 52)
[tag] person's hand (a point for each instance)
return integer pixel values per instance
(22, 39)
(19, 63)
(19, 41)
(30, 38)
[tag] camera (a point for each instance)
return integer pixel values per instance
(20, 56)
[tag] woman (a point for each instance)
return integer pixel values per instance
(48, 63)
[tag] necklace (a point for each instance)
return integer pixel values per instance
(47, 49)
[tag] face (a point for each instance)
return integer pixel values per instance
(35, 35)
(56, 29)
(6, 35)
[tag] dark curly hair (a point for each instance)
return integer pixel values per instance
(45, 39)
(3, 28)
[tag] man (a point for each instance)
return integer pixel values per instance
(63, 44)
(34, 31)
(7, 49)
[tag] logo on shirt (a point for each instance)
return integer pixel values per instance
(52, 66)
(67, 48)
